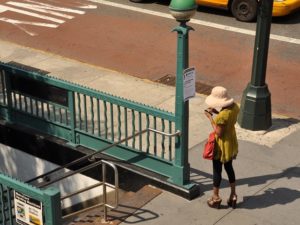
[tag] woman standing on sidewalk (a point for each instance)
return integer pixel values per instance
(226, 145)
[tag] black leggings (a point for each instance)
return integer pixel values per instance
(217, 172)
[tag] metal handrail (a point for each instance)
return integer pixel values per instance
(68, 174)
(92, 155)
(177, 133)
(81, 190)
(104, 185)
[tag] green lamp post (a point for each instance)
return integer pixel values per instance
(255, 111)
(182, 11)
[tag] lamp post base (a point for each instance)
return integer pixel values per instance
(255, 113)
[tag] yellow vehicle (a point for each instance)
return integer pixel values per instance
(246, 10)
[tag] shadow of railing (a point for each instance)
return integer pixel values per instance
(140, 215)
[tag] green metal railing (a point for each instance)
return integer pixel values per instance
(90, 118)
(49, 199)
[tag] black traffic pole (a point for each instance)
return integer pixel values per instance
(256, 110)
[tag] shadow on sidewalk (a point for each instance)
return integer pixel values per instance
(253, 181)
(140, 215)
(204, 180)
(270, 197)
(281, 123)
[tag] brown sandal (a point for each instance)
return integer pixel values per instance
(214, 203)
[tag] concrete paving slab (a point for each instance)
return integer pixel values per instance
(24, 56)
(266, 194)
(274, 205)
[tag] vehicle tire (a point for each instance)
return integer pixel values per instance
(244, 10)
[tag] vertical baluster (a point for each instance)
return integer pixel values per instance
(92, 115)
(48, 111)
(73, 117)
(54, 112)
(60, 115)
(155, 136)
(98, 117)
(105, 118)
(126, 125)
(148, 133)
(9, 206)
(85, 114)
(163, 139)
(112, 122)
(66, 117)
(140, 129)
(133, 128)
(31, 106)
(79, 111)
(36, 108)
(3, 88)
(10, 107)
(170, 141)
(119, 123)
(26, 104)
(3, 203)
(15, 100)
(20, 102)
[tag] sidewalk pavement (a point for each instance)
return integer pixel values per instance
(267, 167)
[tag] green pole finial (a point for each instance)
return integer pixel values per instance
(182, 5)
(183, 10)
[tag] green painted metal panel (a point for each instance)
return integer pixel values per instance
(48, 127)
(98, 131)
(142, 160)
(50, 198)
(129, 155)
(90, 92)
(52, 209)
(181, 106)
(92, 141)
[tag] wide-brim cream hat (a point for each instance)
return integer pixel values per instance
(218, 98)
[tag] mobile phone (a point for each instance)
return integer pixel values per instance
(208, 112)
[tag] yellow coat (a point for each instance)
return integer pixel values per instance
(227, 146)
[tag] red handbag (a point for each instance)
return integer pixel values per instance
(208, 152)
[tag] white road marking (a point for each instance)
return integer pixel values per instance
(56, 8)
(39, 9)
(199, 22)
(28, 23)
(4, 8)
(30, 5)
(25, 30)
(88, 7)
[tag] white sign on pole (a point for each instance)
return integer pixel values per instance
(28, 210)
(189, 81)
